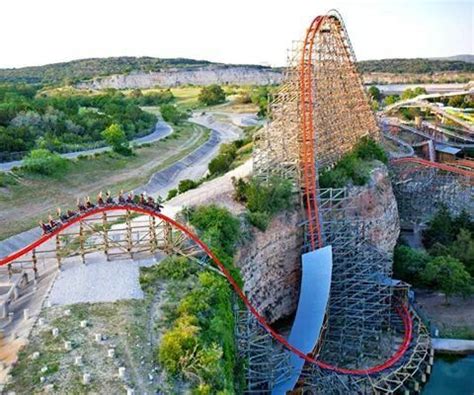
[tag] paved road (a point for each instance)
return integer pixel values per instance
(162, 129)
(193, 166)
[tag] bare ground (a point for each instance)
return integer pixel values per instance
(455, 319)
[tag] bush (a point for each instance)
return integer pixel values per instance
(222, 162)
(354, 166)
(211, 95)
(172, 114)
(368, 149)
(42, 161)
(186, 185)
(263, 199)
(259, 220)
(171, 194)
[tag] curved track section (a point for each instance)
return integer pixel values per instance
(402, 310)
(441, 166)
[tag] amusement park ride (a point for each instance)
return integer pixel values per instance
(369, 338)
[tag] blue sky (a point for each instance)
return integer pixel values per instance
(240, 31)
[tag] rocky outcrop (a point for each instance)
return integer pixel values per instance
(271, 262)
(375, 203)
(241, 75)
(270, 267)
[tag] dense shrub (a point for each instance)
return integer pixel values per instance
(171, 194)
(354, 166)
(62, 122)
(222, 162)
(42, 161)
(199, 346)
(211, 95)
(186, 185)
(263, 199)
(172, 114)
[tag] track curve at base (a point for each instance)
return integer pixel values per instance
(401, 310)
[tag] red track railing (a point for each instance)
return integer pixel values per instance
(441, 166)
(402, 310)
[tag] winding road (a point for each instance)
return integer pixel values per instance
(193, 166)
(161, 130)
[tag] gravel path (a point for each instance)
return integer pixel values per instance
(98, 280)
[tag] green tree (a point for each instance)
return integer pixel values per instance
(171, 113)
(409, 264)
(211, 95)
(463, 249)
(449, 275)
(45, 162)
(440, 229)
(116, 138)
(391, 99)
(374, 93)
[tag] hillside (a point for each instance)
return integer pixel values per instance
(86, 69)
(415, 66)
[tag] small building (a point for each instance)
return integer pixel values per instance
(446, 153)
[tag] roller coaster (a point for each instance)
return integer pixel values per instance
(318, 115)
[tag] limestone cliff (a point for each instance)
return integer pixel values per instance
(270, 267)
(375, 203)
(270, 262)
(241, 75)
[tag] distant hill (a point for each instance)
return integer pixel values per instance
(89, 69)
(414, 66)
(83, 69)
(463, 58)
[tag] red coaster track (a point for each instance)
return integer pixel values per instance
(402, 311)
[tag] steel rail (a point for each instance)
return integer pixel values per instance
(401, 310)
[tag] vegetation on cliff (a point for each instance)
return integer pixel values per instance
(198, 343)
(354, 167)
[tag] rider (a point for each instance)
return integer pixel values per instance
(100, 199)
(130, 198)
(45, 227)
(61, 216)
(81, 206)
(108, 198)
(121, 199)
(89, 204)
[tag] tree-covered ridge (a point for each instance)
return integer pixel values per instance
(30, 119)
(83, 69)
(417, 66)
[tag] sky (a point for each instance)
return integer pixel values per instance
(36, 32)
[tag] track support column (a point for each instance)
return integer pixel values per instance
(35, 264)
(58, 251)
(105, 229)
(128, 222)
(153, 241)
(82, 242)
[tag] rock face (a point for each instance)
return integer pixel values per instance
(375, 203)
(271, 263)
(270, 267)
(242, 75)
